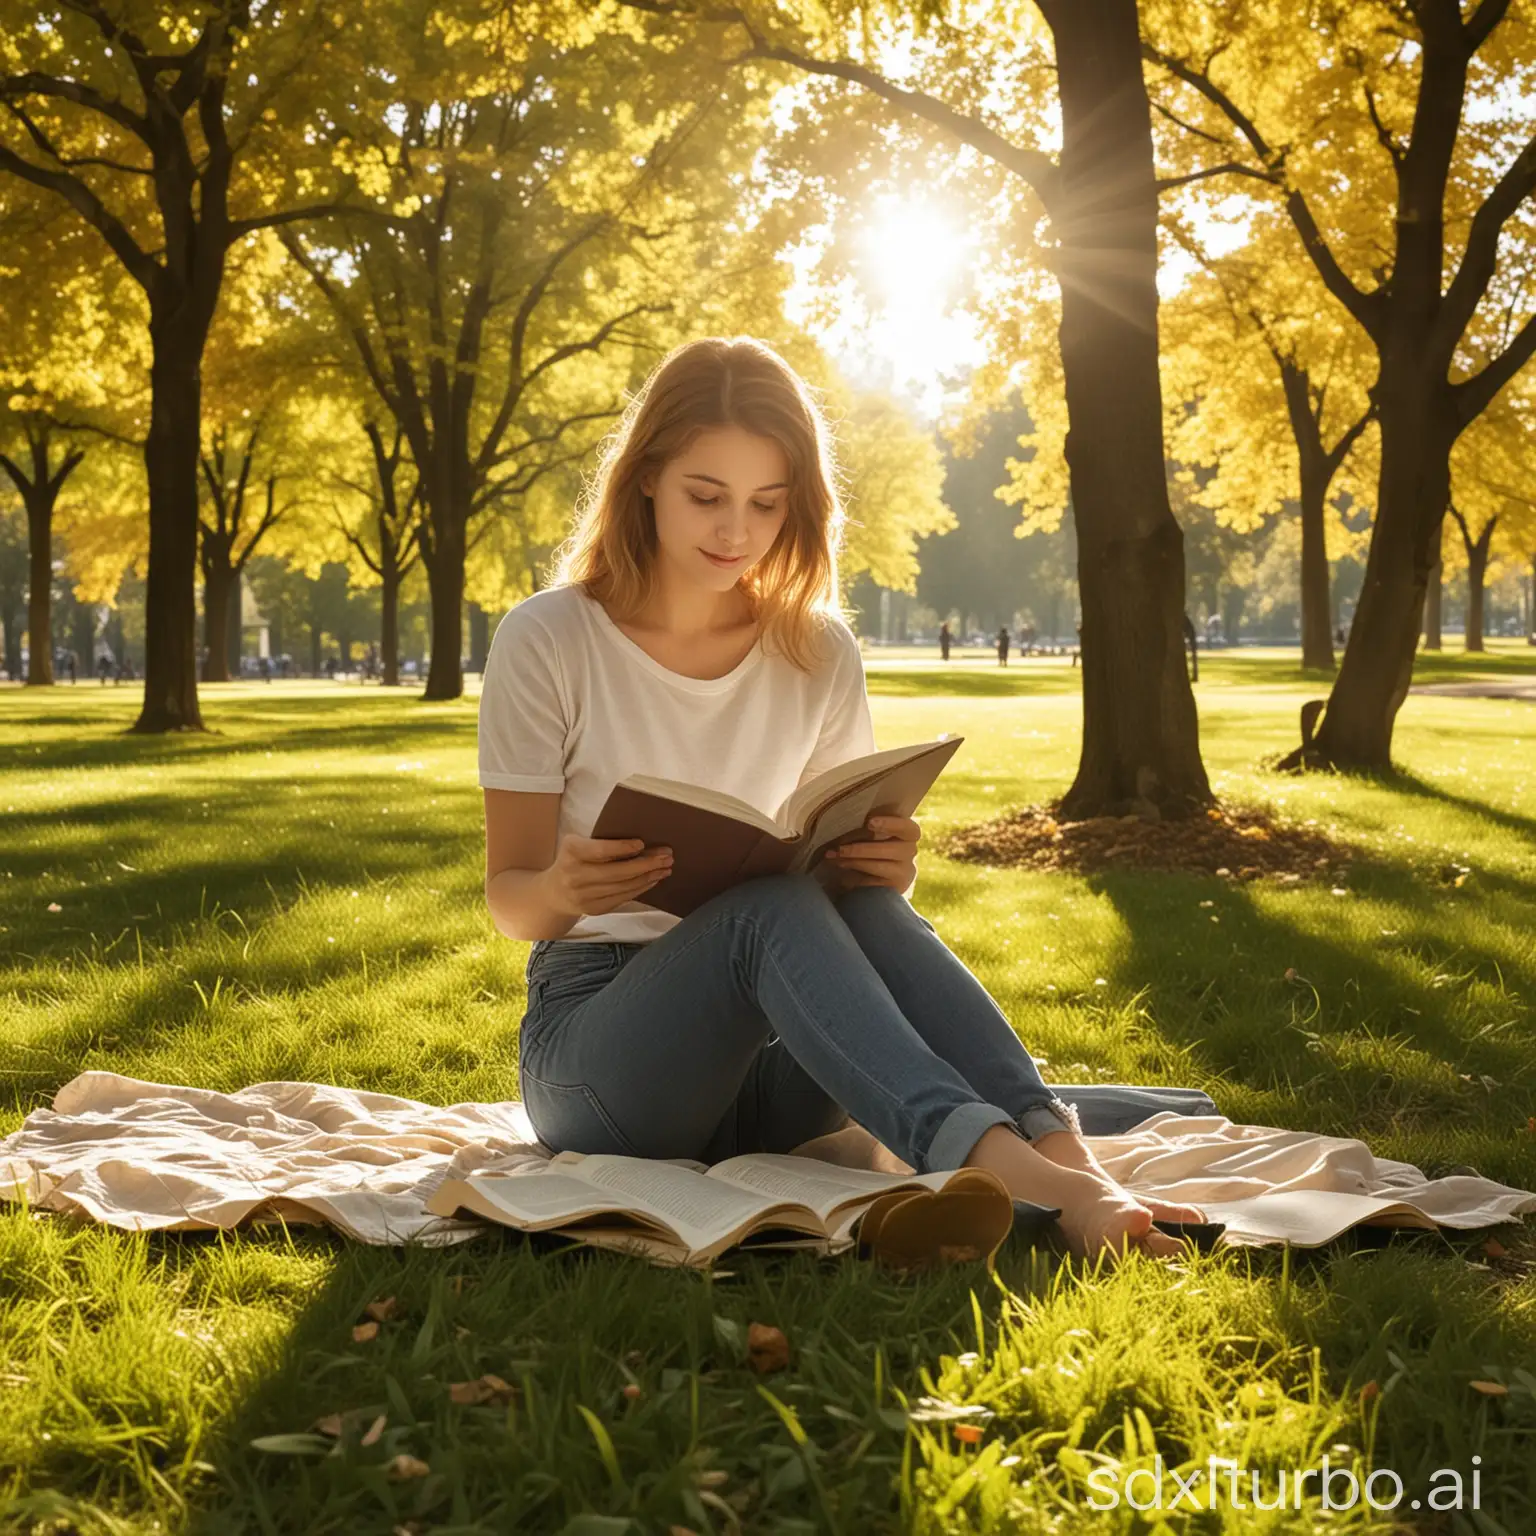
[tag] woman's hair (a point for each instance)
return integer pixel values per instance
(716, 382)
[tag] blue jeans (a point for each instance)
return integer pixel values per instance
(772, 1014)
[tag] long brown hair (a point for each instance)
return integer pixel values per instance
(717, 381)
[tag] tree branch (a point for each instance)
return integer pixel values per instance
(1032, 165)
(1365, 306)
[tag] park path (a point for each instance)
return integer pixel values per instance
(1484, 690)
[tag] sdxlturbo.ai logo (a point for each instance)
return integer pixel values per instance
(1162, 1487)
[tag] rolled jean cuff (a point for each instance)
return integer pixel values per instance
(1053, 1115)
(963, 1127)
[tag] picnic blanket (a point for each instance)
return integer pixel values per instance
(157, 1156)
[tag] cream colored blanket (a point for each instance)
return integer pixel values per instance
(150, 1156)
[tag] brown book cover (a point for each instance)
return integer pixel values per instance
(717, 840)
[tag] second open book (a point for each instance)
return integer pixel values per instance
(687, 1213)
(718, 840)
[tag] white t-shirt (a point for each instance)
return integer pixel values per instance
(571, 704)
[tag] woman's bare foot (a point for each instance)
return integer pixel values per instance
(1096, 1214)
(1068, 1150)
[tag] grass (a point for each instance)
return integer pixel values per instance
(299, 896)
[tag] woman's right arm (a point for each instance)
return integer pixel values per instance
(537, 889)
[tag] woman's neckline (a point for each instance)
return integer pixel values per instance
(643, 657)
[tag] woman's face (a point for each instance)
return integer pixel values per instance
(726, 495)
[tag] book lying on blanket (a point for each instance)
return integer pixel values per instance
(718, 840)
(685, 1213)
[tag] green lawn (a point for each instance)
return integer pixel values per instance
(299, 896)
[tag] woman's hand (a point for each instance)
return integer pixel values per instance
(593, 875)
(891, 860)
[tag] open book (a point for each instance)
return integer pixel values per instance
(718, 840)
(688, 1215)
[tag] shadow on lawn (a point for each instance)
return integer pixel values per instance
(102, 743)
(1351, 1044)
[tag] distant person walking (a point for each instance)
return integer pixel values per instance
(103, 666)
(946, 637)
(1002, 645)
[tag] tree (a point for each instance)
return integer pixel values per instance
(1493, 492)
(896, 483)
(383, 527)
(1140, 731)
(1350, 117)
(66, 383)
(174, 140)
(555, 198)
(1267, 386)
(13, 585)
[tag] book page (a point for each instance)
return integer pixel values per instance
(825, 785)
(1308, 1218)
(698, 1207)
(532, 1198)
(824, 1187)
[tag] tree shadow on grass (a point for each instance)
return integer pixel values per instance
(1326, 1030)
(280, 725)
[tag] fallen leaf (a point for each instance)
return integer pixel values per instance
(1494, 1248)
(382, 1311)
(374, 1430)
(969, 1434)
(365, 1331)
(335, 1424)
(767, 1348)
(714, 1478)
(1368, 1391)
(1490, 1388)
(487, 1389)
(399, 1468)
(631, 1391)
(53, 906)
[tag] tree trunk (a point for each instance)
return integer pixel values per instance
(1316, 606)
(1434, 608)
(1141, 747)
(479, 638)
(1477, 574)
(170, 599)
(1232, 605)
(236, 639)
(1418, 427)
(40, 589)
(217, 581)
(390, 627)
(445, 580)
(12, 647)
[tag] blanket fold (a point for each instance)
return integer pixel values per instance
(145, 1156)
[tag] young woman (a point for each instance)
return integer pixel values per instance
(692, 632)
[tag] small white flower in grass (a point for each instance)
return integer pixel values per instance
(1099, 981)
(53, 906)
(1339, 890)
(329, 939)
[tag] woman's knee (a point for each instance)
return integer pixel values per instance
(864, 907)
(775, 893)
